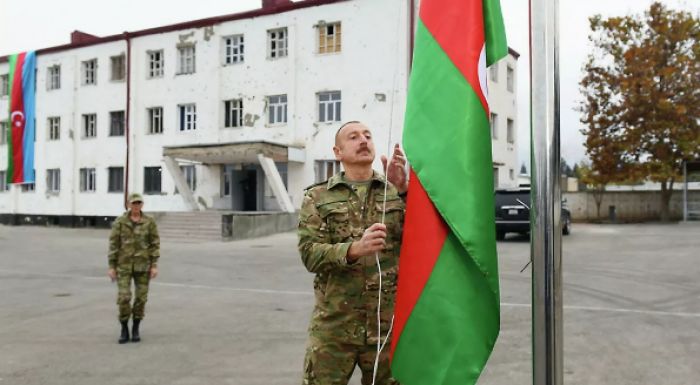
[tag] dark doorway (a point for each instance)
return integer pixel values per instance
(249, 187)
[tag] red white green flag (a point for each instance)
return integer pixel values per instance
(447, 314)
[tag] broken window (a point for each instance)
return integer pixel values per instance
(277, 109)
(89, 125)
(188, 117)
(118, 67)
(155, 64)
(233, 49)
(233, 113)
(329, 37)
(155, 120)
(53, 77)
(185, 62)
(277, 43)
(116, 125)
(54, 124)
(329, 106)
(89, 72)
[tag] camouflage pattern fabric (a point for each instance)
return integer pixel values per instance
(134, 247)
(343, 328)
(141, 279)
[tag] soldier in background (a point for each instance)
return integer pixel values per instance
(134, 249)
(340, 231)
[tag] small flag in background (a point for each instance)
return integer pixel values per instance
(20, 136)
(447, 314)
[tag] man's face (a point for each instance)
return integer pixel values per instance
(354, 145)
(136, 206)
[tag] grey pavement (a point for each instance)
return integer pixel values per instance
(236, 313)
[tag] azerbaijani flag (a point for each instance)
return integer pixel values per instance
(447, 314)
(20, 136)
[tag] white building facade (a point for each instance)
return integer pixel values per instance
(197, 115)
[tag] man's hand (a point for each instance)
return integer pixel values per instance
(373, 240)
(154, 271)
(112, 274)
(396, 171)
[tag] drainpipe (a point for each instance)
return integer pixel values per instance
(127, 117)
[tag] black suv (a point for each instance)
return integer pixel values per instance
(513, 212)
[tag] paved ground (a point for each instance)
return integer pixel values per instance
(236, 313)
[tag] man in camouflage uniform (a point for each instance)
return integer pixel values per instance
(134, 249)
(340, 230)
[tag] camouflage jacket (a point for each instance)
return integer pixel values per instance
(134, 245)
(331, 218)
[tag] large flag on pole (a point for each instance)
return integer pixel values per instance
(20, 136)
(447, 314)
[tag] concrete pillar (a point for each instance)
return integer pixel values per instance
(274, 178)
(187, 196)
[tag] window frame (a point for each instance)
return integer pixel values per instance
(155, 67)
(233, 113)
(53, 180)
(510, 130)
(120, 123)
(493, 123)
(89, 72)
(88, 179)
(155, 121)
(54, 128)
(233, 43)
(87, 129)
(117, 71)
(148, 171)
(277, 47)
(277, 109)
(323, 39)
(53, 77)
(330, 110)
(186, 59)
(111, 178)
(184, 112)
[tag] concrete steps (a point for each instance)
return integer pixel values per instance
(190, 226)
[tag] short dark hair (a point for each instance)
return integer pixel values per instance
(342, 126)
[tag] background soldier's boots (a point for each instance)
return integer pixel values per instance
(135, 337)
(124, 337)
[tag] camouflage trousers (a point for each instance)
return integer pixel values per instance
(141, 279)
(332, 363)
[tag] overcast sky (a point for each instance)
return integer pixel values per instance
(32, 24)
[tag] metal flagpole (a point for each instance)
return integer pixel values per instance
(547, 312)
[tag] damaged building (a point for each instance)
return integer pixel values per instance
(230, 114)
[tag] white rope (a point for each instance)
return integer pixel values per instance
(380, 344)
